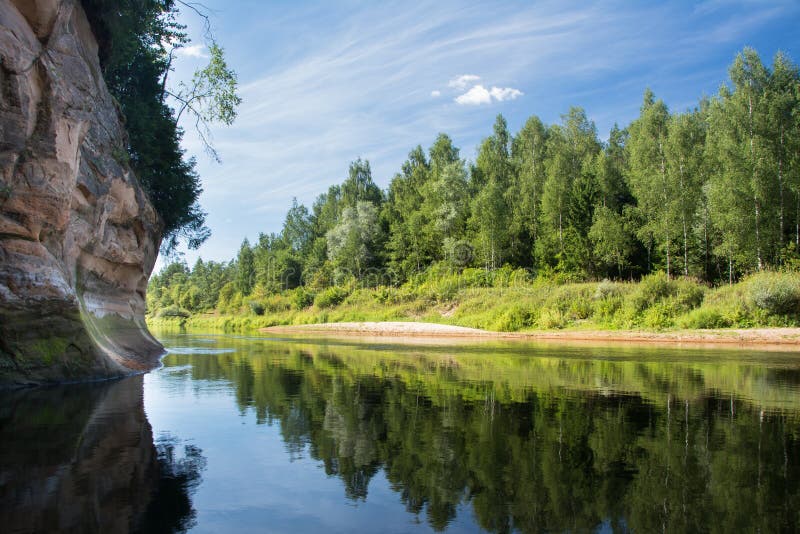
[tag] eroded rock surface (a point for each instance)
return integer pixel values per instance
(78, 236)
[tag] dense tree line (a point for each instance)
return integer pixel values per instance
(711, 193)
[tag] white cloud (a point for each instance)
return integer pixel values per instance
(192, 51)
(474, 97)
(436, 94)
(504, 93)
(480, 95)
(461, 82)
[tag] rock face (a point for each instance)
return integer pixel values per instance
(78, 235)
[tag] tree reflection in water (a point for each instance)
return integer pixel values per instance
(170, 508)
(535, 445)
(514, 441)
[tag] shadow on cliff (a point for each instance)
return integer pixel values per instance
(82, 458)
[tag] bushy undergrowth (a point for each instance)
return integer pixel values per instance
(173, 312)
(506, 300)
(776, 294)
(330, 297)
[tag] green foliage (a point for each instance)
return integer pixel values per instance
(302, 298)
(776, 293)
(704, 318)
(330, 297)
(606, 290)
(257, 308)
(352, 244)
(174, 311)
(133, 36)
(652, 289)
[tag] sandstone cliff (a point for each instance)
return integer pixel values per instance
(78, 236)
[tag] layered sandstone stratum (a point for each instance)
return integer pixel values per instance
(78, 235)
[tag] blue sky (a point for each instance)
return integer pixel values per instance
(324, 83)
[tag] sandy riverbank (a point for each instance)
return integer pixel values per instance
(785, 338)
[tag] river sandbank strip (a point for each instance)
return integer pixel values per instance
(782, 338)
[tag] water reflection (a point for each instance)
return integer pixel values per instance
(545, 441)
(81, 458)
(345, 437)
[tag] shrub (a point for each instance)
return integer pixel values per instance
(702, 318)
(606, 289)
(606, 309)
(473, 277)
(551, 319)
(173, 311)
(513, 319)
(257, 307)
(689, 293)
(302, 298)
(520, 278)
(580, 307)
(651, 289)
(330, 297)
(776, 293)
(660, 315)
(277, 304)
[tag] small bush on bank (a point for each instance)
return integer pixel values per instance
(302, 298)
(651, 289)
(660, 315)
(704, 318)
(517, 317)
(776, 293)
(550, 319)
(607, 289)
(174, 311)
(257, 308)
(330, 297)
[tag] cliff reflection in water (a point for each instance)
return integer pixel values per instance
(662, 441)
(81, 458)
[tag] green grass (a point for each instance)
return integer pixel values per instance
(503, 301)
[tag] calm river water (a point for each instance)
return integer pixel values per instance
(247, 434)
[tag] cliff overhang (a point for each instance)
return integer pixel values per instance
(78, 234)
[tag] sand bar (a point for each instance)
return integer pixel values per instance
(787, 338)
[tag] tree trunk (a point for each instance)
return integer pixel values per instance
(666, 202)
(685, 248)
(560, 235)
(780, 188)
(755, 183)
(668, 260)
(730, 269)
(683, 220)
(705, 242)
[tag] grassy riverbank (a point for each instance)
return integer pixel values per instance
(502, 302)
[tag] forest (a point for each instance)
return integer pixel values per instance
(710, 195)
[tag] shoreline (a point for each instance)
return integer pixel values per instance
(781, 338)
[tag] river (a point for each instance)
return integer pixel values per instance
(254, 434)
